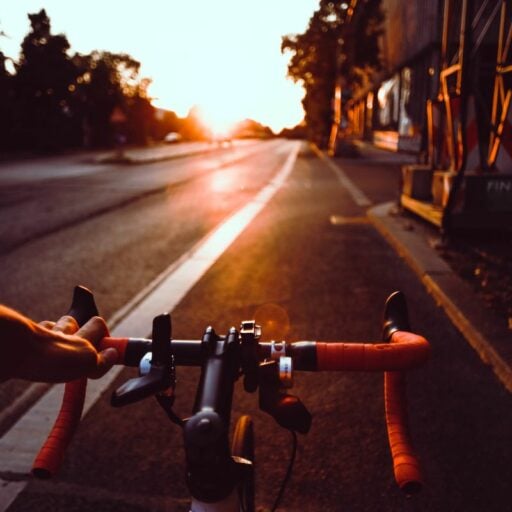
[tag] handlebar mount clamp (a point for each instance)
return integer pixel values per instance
(250, 333)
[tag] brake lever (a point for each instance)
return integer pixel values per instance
(160, 375)
(83, 307)
(396, 317)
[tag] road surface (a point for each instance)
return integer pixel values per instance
(309, 266)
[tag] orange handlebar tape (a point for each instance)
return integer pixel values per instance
(119, 344)
(405, 462)
(51, 455)
(406, 350)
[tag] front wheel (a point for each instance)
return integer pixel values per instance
(243, 446)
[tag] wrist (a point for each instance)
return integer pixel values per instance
(16, 333)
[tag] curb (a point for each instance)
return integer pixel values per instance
(453, 294)
(128, 160)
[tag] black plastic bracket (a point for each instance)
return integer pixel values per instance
(396, 317)
(250, 333)
(82, 306)
(161, 375)
(288, 410)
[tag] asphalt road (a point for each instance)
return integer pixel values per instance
(302, 276)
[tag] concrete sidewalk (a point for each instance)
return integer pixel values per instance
(484, 331)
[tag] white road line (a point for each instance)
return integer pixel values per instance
(355, 192)
(9, 491)
(20, 402)
(19, 446)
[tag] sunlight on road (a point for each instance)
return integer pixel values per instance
(223, 182)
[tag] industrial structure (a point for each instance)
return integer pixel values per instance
(445, 95)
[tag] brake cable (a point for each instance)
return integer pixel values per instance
(288, 473)
(166, 402)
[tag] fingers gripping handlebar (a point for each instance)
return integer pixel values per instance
(51, 454)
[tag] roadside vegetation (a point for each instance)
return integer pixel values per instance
(333, 51)
(52, 99)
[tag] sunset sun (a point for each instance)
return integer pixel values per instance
(219, 56)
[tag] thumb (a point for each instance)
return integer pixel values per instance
(105, 360)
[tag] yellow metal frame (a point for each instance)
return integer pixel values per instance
(502, 97)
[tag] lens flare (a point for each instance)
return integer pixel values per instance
(274, 321)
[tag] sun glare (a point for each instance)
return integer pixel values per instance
(223, 55)
(219, 117)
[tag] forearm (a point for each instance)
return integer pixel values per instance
(16, 333)
(56, 354)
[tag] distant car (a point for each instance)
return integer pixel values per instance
(172, 137)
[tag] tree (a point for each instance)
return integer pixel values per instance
(44, 76)
(165, 121)
(6, 103)
(141, 114)
(54, 100)
(337, 44)
(98, 91)
(248, 128)
(193, 127)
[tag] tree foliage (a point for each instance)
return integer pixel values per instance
(54, 100)
(43, 75)
(337, 45)
(6, 102)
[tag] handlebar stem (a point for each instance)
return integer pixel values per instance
(211, 472)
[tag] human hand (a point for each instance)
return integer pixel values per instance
(53, 352)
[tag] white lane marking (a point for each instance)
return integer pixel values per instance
(355, 192)
(20, 402)
(173, 286)
(9, 491)
(19, 446)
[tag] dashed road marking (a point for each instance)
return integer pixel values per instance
(340, 220)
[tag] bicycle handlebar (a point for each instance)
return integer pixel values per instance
(406, 465)
(404, 351)
(49, 459)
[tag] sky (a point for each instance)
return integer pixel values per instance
(222, 55)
